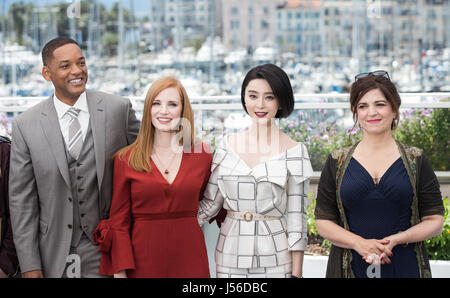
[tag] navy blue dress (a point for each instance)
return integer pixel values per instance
(377, 211)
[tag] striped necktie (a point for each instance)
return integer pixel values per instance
(75, 137)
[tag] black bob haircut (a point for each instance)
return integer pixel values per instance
(279, 83)
(52, 45)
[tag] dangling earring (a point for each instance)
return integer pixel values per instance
(393, 124)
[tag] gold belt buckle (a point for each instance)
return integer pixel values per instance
(248, 216)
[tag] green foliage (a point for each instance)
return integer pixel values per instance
(428, 130)
(109, 42)
(18, 13)
(311, 221)
(439, 247)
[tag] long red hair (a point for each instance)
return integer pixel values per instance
(141, 150)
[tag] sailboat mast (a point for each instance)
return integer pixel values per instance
(211, 28)
(121, 35)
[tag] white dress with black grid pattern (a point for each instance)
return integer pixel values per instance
(277, 187)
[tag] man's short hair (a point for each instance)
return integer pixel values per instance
(52, 45)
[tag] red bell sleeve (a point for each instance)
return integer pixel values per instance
(113, 235)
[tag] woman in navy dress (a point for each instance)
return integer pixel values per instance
(376, 210)
(378, 200)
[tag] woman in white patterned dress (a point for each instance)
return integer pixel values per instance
(261, 178)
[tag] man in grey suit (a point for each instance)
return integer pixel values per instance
(61, 167)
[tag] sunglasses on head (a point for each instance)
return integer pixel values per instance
(376, 73)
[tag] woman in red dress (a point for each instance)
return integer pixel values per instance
(158, 181)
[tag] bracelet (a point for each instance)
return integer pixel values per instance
(293, 276)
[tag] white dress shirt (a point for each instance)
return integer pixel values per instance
(64, 119)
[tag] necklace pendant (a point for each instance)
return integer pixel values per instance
(166, 172)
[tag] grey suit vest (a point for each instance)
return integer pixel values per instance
(84, 184)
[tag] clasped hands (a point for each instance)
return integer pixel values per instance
(374, 250)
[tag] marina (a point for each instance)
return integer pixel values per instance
(197, 42)
(210, 45)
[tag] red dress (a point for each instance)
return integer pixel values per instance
(153, 229)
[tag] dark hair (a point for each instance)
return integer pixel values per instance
(361, 86)
(52, 45)
(278, 81)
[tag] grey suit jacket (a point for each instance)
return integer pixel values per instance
(39, 183)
